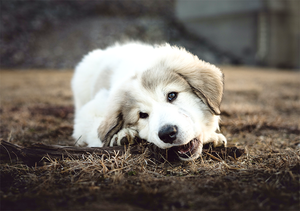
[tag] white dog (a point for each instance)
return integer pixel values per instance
(162, 94)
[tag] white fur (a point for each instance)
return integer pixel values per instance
(122, 63)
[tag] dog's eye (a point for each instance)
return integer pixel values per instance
(172, 96)
(143, 115)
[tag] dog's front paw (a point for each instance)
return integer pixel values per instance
(123, 137)
(218, 140)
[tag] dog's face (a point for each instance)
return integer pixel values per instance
(169, 105)
(172, 116)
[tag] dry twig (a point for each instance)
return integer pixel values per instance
(37, 152)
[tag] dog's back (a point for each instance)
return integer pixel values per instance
(97, 69)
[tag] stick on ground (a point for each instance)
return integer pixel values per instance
(37, 152)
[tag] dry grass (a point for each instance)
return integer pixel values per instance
(260, 113)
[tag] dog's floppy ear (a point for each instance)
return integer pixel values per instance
(111, 125)
(118, 113)
(206, 81)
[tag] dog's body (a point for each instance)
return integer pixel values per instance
(162, 94)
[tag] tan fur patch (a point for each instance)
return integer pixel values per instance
(160, 76)
(204, 79)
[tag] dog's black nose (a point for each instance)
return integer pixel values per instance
(168, 133)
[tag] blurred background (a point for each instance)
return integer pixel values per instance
(56, 34)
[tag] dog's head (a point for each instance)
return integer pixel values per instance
(174, 104)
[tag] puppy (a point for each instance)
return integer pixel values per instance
(162, 94)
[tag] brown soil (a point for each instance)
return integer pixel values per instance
(260, 113)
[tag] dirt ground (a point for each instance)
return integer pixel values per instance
(260, 113)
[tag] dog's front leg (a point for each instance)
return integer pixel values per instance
(123, 137)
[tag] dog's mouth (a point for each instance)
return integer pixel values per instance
(188, 150)
(184, 152)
